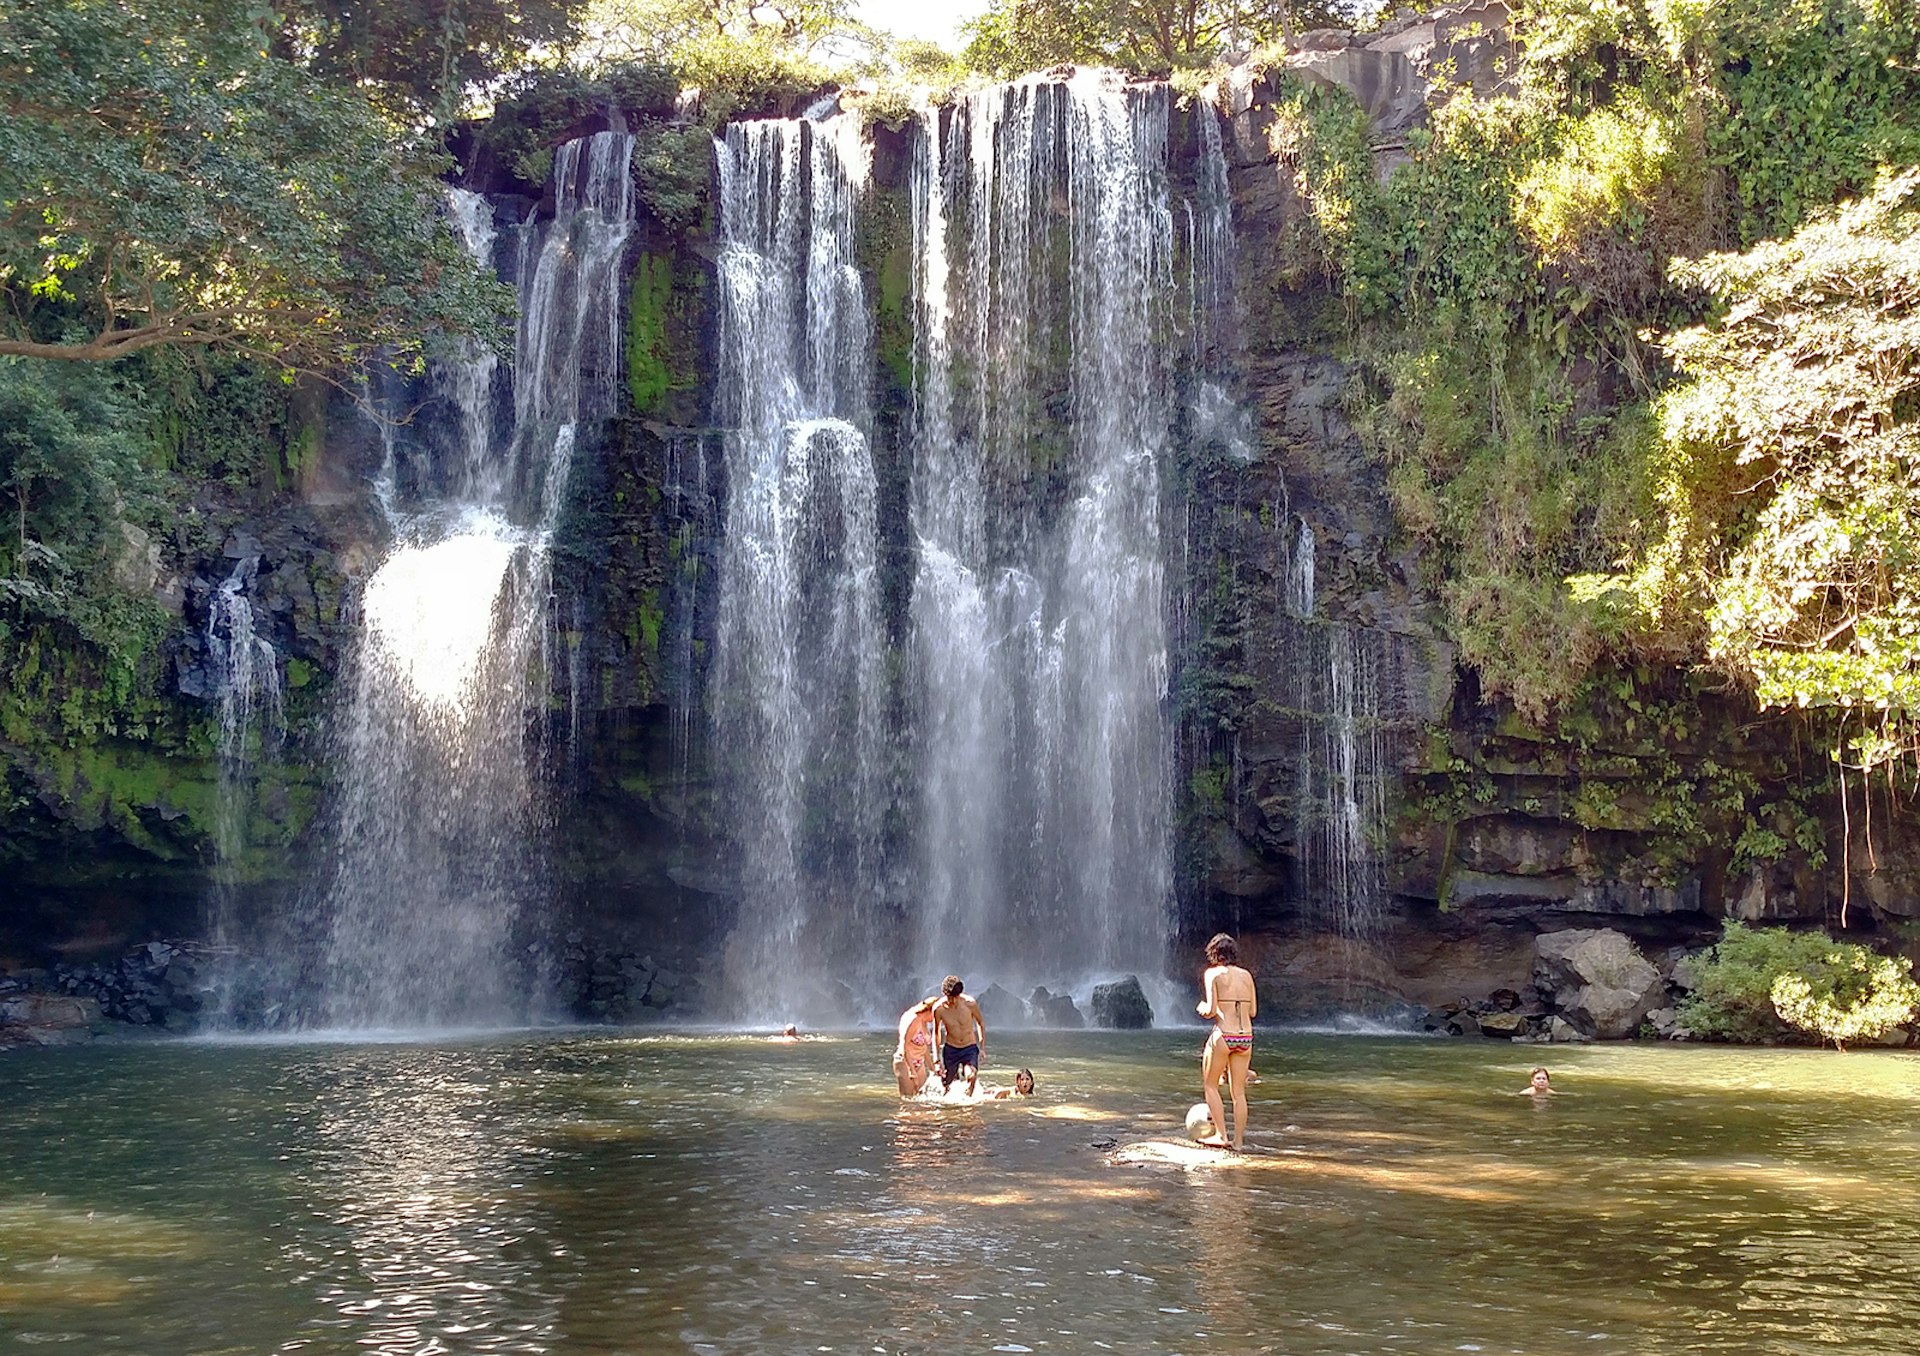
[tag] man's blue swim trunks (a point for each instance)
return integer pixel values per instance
(953, 1056)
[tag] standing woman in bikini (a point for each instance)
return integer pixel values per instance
(1230, 1004)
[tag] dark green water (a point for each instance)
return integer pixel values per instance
(595, 1193)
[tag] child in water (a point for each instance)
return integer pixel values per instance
(1538, 1084)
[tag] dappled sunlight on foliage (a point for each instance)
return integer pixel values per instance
(1793, 461)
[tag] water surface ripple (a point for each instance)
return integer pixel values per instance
(628, 1193)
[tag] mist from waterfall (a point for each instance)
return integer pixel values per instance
(432, 917)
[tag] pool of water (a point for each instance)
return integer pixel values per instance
(592, 1192)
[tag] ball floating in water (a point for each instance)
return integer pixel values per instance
(1199, 1121)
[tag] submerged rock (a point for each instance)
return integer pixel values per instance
(46, 1019)
(1122, 1005)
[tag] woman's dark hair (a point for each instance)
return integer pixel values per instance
(951, 985)
(1222, 950)
(1026, 1074)
(1539, 1068)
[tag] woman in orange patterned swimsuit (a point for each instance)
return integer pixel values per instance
(910, 1054)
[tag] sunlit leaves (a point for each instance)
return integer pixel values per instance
(1795, 445)
(164, 182)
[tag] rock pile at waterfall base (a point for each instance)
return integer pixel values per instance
(1588, 984)
(164, 984)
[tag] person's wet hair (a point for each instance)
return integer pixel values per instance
(1539, 1068)
(951, 986)
(1222, 950)
(1026, 1074)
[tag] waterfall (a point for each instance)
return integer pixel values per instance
(1043, 278)
(1342, 801)
(799, 668)
(248, 688)
(432, 915)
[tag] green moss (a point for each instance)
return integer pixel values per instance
(649, 357)
(299, 673)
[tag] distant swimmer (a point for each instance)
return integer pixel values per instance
(788, 1035)
(914, 1048)
(963, 1034)
(1231, 1004)
(1539, 1084)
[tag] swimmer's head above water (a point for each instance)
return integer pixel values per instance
(1023, 1082)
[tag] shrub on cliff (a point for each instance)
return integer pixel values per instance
(1759, 984)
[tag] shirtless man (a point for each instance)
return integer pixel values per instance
(1230, 1004)
(910, 1054)
(963, 1034)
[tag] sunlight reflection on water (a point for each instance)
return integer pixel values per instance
(589, 1192)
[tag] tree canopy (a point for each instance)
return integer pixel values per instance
(422, 55)
(164, 180)
(1024, 35)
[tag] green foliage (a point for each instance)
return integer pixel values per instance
(165, 181)
(1855, 996)
(1755, 983)
(422, 55)
(1792, 461)
(77, 492)
(1731, 984)
(1504, 291)
(672, 169)
(1014, 36)
(740, 56)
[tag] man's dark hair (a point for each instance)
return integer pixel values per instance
(951, 986)
(1221, 950)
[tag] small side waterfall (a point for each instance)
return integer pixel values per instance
(250, 696)
(432, 915)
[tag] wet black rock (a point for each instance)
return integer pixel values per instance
(1057, 1010)
(1122, 1005)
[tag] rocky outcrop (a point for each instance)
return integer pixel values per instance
(1598, 980)
(46, 1019)
(1122, 1005)
(1055, 1010)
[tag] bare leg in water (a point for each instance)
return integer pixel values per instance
(1216, 1060)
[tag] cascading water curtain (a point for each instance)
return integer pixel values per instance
(799, 670)
(433, 911)
(1043, 286)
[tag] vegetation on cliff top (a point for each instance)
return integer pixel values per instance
(1642, 389)
(165, 180)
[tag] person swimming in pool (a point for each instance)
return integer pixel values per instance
(910, 1053)
(1022, 1087)
(1231, 1004)
(1539, 1083)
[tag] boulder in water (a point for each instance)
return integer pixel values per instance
(1001, 1008)
(1055, 1010)
(1122, 1005)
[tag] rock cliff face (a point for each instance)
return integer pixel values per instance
(1344, 799)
